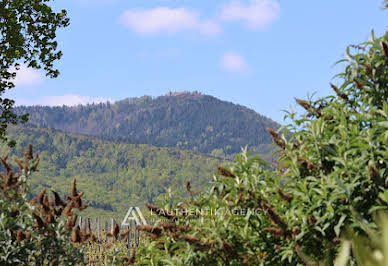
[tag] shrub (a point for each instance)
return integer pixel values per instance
(39, 232)
(331, 173)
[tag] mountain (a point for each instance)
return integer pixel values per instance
(113, 175)
(186, 120)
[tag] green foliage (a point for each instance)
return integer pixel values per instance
(187, 121)
(115, 175)
(331, 174)
(369, 250)
(31, 233)
(27, 35)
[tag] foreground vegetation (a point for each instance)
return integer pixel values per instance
(41, 231)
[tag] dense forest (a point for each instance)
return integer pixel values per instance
(114, 175)
(186, 120)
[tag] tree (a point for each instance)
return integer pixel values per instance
(27, 36)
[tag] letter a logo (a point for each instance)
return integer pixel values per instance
(134, 214)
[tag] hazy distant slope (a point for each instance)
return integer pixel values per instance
(190, 121)
(112, 175)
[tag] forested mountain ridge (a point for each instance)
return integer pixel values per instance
(113, 175)
(184, 120)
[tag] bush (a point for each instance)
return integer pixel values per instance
(39, 232)
(331, 174)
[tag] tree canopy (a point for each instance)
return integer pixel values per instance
(27, 36)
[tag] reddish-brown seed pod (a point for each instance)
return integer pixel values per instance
(359, 84)
(92, 238)
(369, 69)
(116, 231)
(70, 223)
(125, 233)
(41, 196)
(76, 235)
(168, 225)
(131, 259)
(74, 188)
(385, 48)
(184, 228)
(82, 207)
(39, 222)
(295, 232)
(6, 166)
(21, 235)
(150, 229)
(245, 259)
(49, 219)
(276, 138)
(273, 215)
(34, 166)
(58, 212)
(28, 154)
(308, 107)
(152, 207)
(311, 220)
(275, 231)
(225, 172)
(57, 199)
(188, 186)
(54, 262)
(9, 179)
(227, 247)
(68, 209)
(337, 240)
(190, 238)
(46, 201)
(19, 163)
(340, 94)
(373, 172)
(286, 196)
(304, 104)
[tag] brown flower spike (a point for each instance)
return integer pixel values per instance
(276, 138)
(225, 172)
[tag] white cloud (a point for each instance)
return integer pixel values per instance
(91, 2)
(257, 14)
(68, 99)
(26, 76)
(167, 20)
(234, 62)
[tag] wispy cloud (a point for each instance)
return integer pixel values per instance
(68, 99)
(94, 2)
(234, 62)
(256, 14)
(26, 76)
(167, 20)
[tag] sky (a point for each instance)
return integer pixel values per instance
(258, 53)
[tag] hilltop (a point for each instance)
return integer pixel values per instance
(184, 120)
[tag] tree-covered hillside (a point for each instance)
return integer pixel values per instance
(184, 120)
(113, 175)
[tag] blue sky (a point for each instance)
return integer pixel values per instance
(257, 53)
